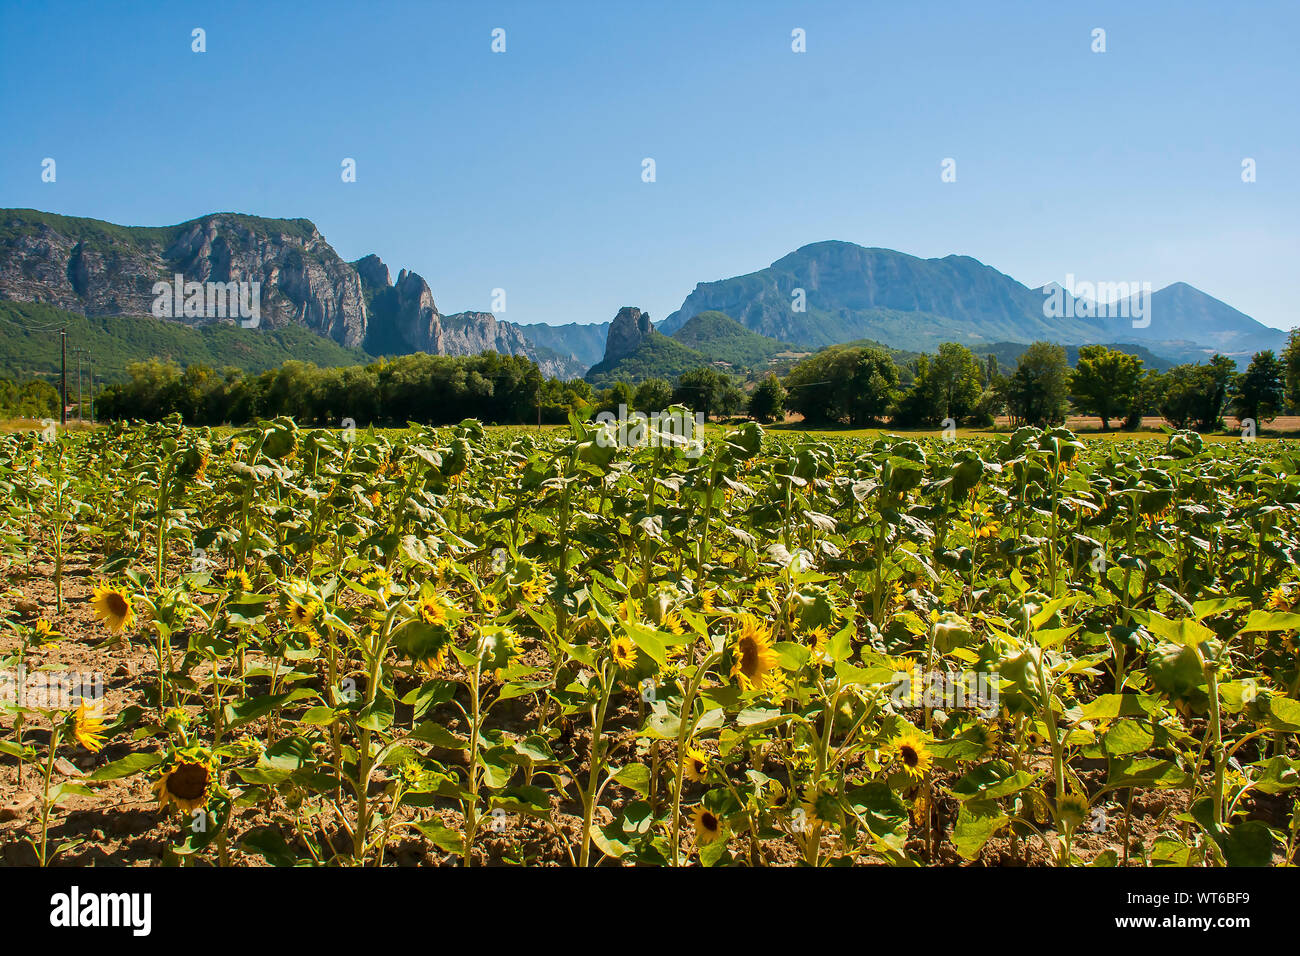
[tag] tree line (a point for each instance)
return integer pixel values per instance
(858, 386)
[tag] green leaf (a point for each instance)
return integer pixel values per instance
(128, 765)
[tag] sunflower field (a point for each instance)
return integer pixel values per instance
(470, 646)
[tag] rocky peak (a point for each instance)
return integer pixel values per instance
(626, 332)
(373, 273)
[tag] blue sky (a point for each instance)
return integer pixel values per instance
(522, 170)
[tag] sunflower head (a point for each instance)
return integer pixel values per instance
(912, 754)
(237, 580)
(1072, 809)
(43, 632)
(187, 779)
(708, 825)
(301, 613)
(624, 652)
(113, 607)
(696, 765)
(433, 611)
(88, 725)
(1278, 599)
(753, 657)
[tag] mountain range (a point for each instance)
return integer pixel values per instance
(822, 294)
(832, 292)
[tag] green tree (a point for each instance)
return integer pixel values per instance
(1105, 382)
(1257, 393)
(1291, 359)
(1038, 391)
(767, 404)
(653, 395)
(700, 389)
(852, 384)
(947, 385)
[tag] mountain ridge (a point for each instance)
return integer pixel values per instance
(850, 292)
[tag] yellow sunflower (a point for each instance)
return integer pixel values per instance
(624, 653)
(708, 600)
(433, 611)
(435, 663)
(43, 632)
(707, 825)
(532, 590)
(490, 604)
(696, 765)
(88, 726)
(301, 614)
(754, 658)
(817, 638)
(186, 780)
(1278, 599)
(238, 578)
(113, 607)
(672, 622)
(912, 753)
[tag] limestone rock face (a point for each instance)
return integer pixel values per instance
(96, 268)
(629, 327)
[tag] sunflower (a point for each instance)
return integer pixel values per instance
(912, 753)
(433, 611)
(708, 600)
(1278, 599)
(443, 570)
(672, 622)
(707, 825)
(490, 603)
(624, 653)
(43, 632)
(238, 578)
(753, 656)
(186, 779)
(379, 581)
(817, 638)
(434, 663)
(696, 765)
(1072, 809)
(301, 613)
(765, 584)
(88, 726)
(113, 607)
(987, 736)
(532, 590)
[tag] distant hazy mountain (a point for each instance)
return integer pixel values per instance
(585, 344)
(849, 292)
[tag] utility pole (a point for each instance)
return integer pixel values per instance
(81, 418)
(90, 370)
(63, 378)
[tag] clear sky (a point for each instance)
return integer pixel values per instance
(523, 170)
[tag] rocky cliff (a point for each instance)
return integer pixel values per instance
(97, 268)
(404, 318)
(100, 269)
(629, 328)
